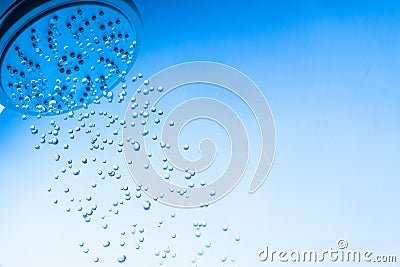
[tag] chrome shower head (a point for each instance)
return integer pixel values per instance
(61, 55)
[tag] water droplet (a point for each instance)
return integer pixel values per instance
(224, 228)
(146, 205)
(136, 146)
(122, 259)
(106, 244)
(237, 238)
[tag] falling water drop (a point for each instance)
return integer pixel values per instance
(122, 259)
(146, 205)
(136, 146)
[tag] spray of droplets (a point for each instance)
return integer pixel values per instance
(86, 146)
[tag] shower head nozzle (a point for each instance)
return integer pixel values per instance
(61, 55)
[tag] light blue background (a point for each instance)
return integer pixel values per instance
(329, 70)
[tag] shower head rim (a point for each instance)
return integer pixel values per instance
(23, 13)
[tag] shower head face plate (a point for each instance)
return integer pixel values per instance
(59, 56)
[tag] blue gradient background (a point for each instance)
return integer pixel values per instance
(329, 70)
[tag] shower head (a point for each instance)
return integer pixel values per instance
(60, 55)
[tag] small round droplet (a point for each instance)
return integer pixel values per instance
(146, 205)
(136, 146)
(122, 259)
(224, 228)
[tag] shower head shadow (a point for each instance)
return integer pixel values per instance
(61, 55)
